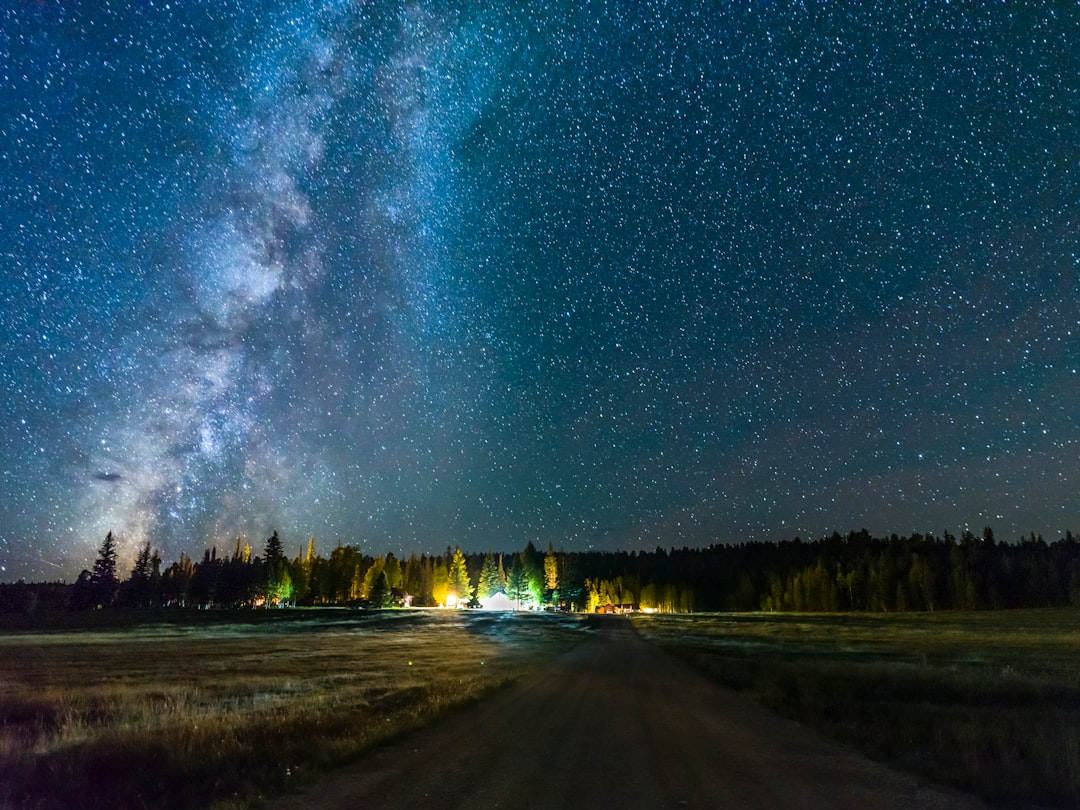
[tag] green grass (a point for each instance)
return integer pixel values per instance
(987, 702)
(219, 711)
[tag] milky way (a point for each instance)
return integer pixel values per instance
(599, 274)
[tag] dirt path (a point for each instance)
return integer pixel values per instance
(617, 723)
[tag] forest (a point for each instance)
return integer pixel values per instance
(856, 572)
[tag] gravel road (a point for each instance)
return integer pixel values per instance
(617, 723)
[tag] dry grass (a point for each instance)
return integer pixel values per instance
(987, 702)
(189, 715)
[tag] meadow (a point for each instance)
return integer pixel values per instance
(988, 702)
(218, 709)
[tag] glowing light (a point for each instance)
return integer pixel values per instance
(498, 601)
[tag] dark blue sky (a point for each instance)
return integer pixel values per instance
(599, 274)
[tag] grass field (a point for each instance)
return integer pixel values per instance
(218, 709)
(987, 702)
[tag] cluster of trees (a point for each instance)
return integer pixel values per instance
(856, 572)
(346, 577)
(920, 572)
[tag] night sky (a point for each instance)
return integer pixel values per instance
(609, 275)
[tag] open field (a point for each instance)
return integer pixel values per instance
(618, 723)
(228, 707)
(987, 702)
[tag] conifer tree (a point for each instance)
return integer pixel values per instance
(380, 594)
(282, 587)
(459, 585)
(277, 579)
(104, 572)
(274, 552)
(412, 577)
(551, 575)
(394, 575)
(371, 575)
(440, 585)
(426, 592)
(102, 580)
(517, 586)
(490, 583)
(136, 591)
(503, 578)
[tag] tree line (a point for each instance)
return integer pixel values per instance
(853, 572)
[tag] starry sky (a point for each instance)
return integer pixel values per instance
(608, 274)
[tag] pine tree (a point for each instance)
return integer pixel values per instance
(551, 574)
(592, 595)
(525, 583)
(281, 588)
(274, 552)
(426, 593)
(104, 572)
(141, 569)
(412, 578)
(304, 565)
(489, 583)
(101, 583)
(380, 594)
(648, 597)
(136, 591)
(533, 561)
(277, 580)
(394, 575)
(459, 585)
(440, 584)
(371, 575)
(520, 586)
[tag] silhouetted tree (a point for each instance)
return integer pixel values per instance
(102, 580)
(274, 552)
(853, 572)
(137, 592)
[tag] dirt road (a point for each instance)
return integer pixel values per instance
(617, 723)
